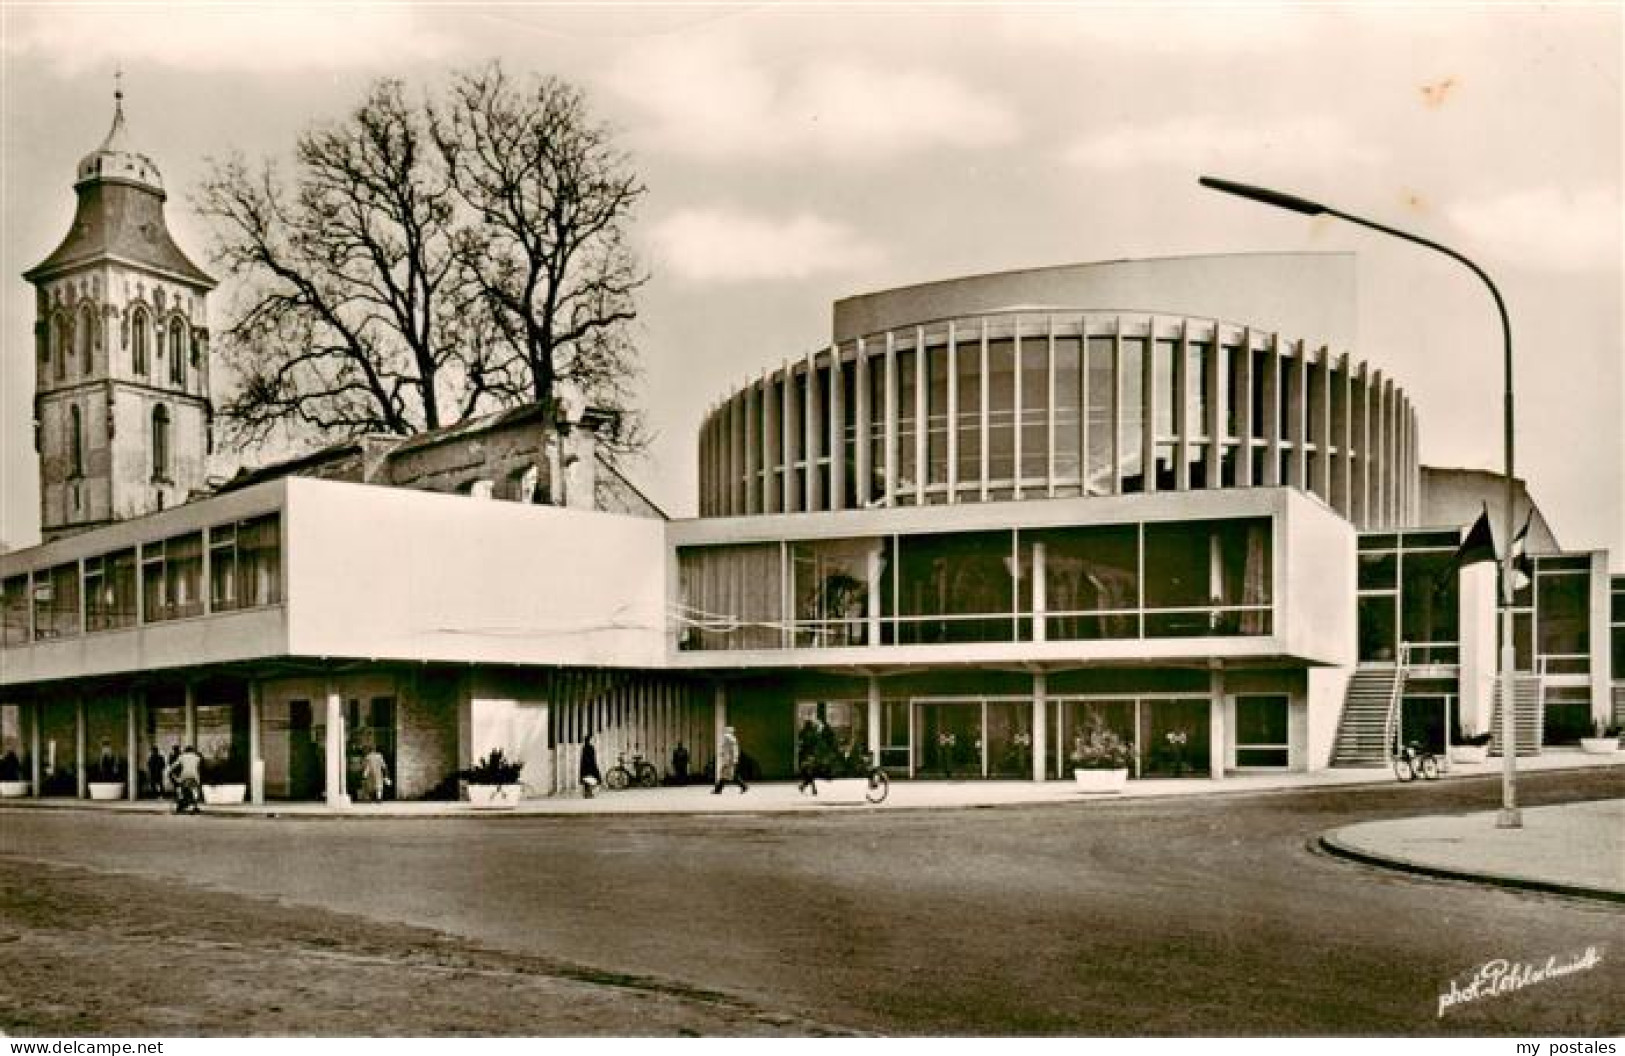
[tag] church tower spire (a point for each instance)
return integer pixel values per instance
(121, 383)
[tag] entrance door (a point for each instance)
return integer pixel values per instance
(948, 738)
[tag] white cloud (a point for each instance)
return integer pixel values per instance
(724, 245)
(1547, 227)
(1215, 28)
(246, 38)
(717, 99)
(1197, 144)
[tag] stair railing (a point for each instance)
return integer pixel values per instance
(1391, 725)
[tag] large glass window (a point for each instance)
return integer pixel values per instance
(245, 564)
(968, 368)
(14, 611)
(1001, 413)
(1068, 413)
(1131, 386)
(877, 429)
(1207, 577)
(110, 591)
(732, 597)
(1100, 475)
(955, 588)
(830, 585)
(1035, 409)
(908, 470)
(1091, 581)
(1563, 621)
(1429, 616)
(1261, 731)
(56, 602)
(172, 578)
(936, 396)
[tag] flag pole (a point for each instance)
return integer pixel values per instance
(1509, 817)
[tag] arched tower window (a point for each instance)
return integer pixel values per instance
(87, 339)
(61, 343)
(177, 351)
(138, 340)
(76, 443)
(160, 442)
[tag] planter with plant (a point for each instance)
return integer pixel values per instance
(1101, 759)
(1470, 748)
(225, 781)
(493, 782)
(1605, 740)
(105, 780)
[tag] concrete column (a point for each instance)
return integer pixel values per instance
(1217, 745)
(191, 713)
(336, 795)
(132, 763)
(82, 774)
(874, 719)
(34, 748)
(1040, 723)
(256, 764)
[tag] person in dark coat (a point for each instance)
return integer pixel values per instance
(807, 750)
(679, 764)
(590, 777)
(155, 772)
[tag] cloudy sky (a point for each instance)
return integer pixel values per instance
(797, 154)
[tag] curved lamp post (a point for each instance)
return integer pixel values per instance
(1510, 817)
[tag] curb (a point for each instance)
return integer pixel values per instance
(1328, 842)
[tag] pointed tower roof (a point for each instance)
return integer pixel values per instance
(120, 213)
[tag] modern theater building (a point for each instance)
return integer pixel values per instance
(1163, 496)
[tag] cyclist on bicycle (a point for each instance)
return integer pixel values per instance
(187, 774)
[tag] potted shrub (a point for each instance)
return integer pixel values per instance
(106, 779)
(1101, 759)
(1470, 748)
(493, 782)
(225, 781)
(1604, 742)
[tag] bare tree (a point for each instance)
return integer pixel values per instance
(355, 315)
(549, 197)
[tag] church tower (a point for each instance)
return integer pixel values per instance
(121, 389)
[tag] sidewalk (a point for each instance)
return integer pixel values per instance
(782, 797)
(1574, 849)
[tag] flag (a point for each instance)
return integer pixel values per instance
(1479, 544)
(1523, 566)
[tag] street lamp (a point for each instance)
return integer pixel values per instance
(1510, 817)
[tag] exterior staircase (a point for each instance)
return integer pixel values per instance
(1364, 733)
(1528, 715)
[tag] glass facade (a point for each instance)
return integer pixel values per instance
(163, 580)
(1162, 580)
(1408, 595)
(1023, 405)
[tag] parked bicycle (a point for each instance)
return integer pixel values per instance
(1412, 760)
(639, 772)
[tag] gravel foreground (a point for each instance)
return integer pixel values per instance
(91, 954)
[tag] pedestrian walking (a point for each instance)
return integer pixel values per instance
(374, 775)
(807, 752)
(588, 771)
(728, 763)
(155, 772)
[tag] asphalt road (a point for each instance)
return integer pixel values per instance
(1170, 917)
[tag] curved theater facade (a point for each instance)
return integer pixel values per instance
(994, 522)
